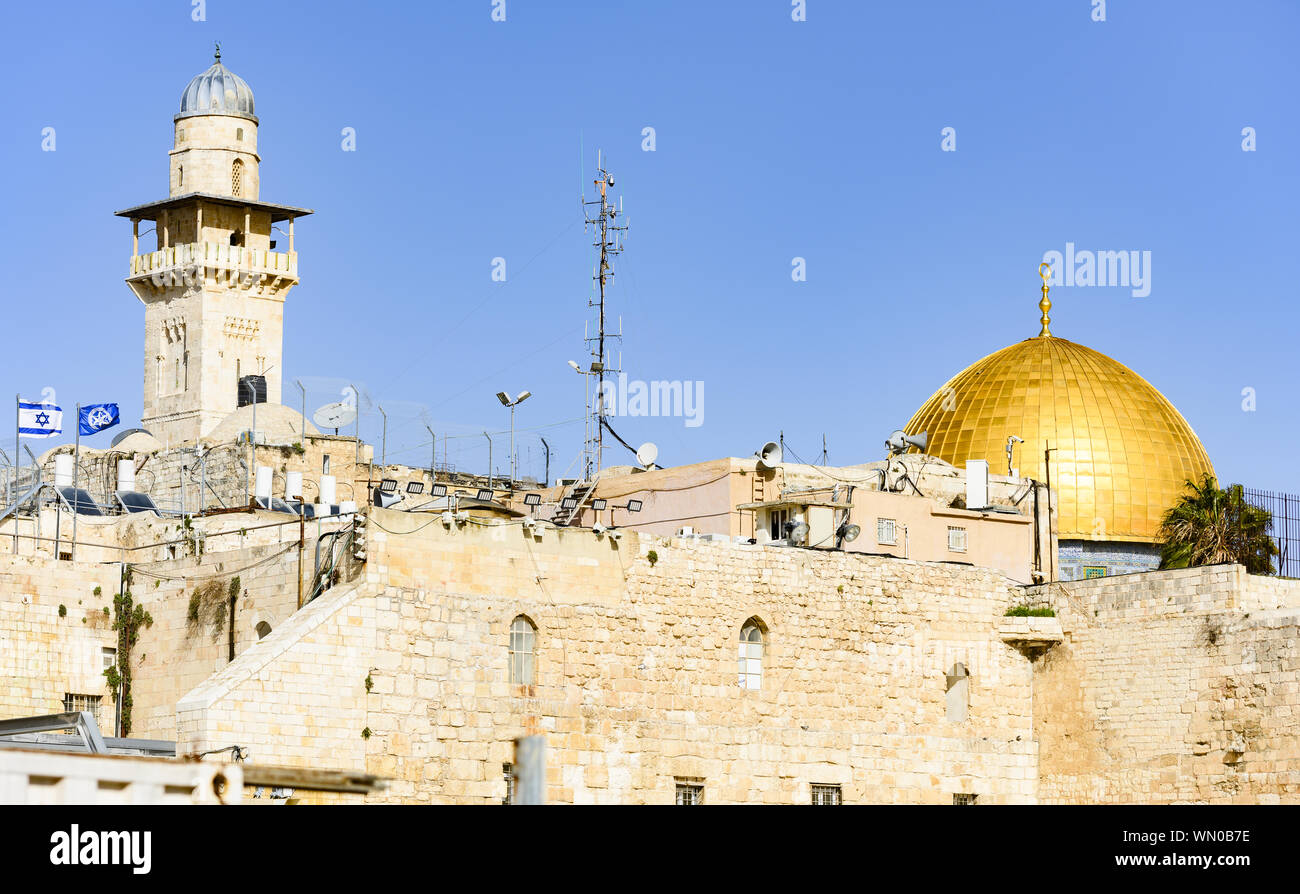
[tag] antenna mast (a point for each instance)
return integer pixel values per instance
(607, 231)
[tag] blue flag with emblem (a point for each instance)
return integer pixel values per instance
(39, 420)
(97, 417)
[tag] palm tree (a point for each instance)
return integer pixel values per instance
(1210, 525)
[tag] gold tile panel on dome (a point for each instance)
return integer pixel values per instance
(1121, 451)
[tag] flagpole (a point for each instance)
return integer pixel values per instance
(76, 472)
(18, 458)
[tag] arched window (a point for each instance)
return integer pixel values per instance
(236, 176)
(263, 629)
(180, 176)
(751, 655)
(523, 649)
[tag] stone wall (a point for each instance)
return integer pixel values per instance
(190, 638)
(43, 655)
(1171, 686)
(636, 672)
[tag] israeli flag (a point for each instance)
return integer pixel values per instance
(97, 417)
(39, 420)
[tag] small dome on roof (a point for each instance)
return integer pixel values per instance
(217, 91)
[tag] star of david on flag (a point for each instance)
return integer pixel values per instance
(38, 420)
(97, 417)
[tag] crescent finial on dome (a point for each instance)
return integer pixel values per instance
(1046, 304)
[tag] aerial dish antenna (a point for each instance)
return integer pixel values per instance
(336, 415)
(646, 454)
(798, 532)
(769, 455)
(900, 442)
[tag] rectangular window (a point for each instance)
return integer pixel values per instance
(776, 527)
(108, 658)
(690, 794)
(956, 539)
(886, 531)
(827, 796)
(963, 799)
(325, 465)
(74, 702)
(1093, 571)
(508, 770)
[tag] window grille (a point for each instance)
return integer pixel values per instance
(827, 795)
(750, 669)
(886, 531)
(964, 799)
(523, 646)
(508, 770)
(689, 795)
(236, 176)
(74, 702)
(956, 539)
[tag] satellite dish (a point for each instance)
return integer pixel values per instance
(900, 441)
(799, 532)
(336, 415)
(769, 455)
(646, 454)
(126, 434)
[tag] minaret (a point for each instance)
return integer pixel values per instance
(214, 287)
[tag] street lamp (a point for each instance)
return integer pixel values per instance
(507, 402)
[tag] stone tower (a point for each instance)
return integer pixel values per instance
(214, 287)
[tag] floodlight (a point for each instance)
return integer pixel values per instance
(504, 398)
(599, 505)
(598, 528)
(615, 535)
(849, 533)
(597, 366)
(576, 367)
(532, 499)
(484, 494)
(415, 487)
(523, 396)
(388, 485)
(438, 490)
(633, 506)
(569, 503)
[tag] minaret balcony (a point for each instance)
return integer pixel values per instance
(196, 263)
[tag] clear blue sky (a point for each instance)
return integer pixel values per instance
(775, 140)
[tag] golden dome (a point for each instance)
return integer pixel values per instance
(1122, 452)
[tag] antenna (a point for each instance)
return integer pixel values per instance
(607, 231)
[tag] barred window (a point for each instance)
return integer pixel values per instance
(690, 794)
(964, 799)
(956, 539)
(508, 771)
(750, 664)
(826, 795)
(523, 648)
(886, 531)
(74, 702)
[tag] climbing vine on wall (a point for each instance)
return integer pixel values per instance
(128, 618)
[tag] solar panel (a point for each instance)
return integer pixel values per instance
(78, 499)
(134, 501)
(275, 504)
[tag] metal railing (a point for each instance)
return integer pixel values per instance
(1284, 528)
